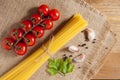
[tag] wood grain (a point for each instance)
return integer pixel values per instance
(111, 8)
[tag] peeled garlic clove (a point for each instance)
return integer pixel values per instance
(90, 34)
(79, 58)
(73, 48)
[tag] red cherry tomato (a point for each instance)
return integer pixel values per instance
(17, 33)
(54, 14)
(7, 43)
(20, 48)
(43, 10)
(30, 39)
(26, 24)
(38, 31)
(35, 18)
(47, 24)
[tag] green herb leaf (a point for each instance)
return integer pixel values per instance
(68, 60)
(70, 68)
(52, 71)
(59, 62)
(60, 66)
(52, 64)
(64, 68)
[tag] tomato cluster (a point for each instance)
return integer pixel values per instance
(31, 29)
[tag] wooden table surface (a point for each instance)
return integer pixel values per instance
(111, 8)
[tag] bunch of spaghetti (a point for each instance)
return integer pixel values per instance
(30, 65)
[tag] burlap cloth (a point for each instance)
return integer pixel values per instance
(13, 11)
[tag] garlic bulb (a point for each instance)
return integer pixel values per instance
(79, 58)
(90, 34)
(73, 49)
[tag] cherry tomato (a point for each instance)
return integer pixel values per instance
(35, 18)
(43, 10)
(38, 31)
(47, 24)
(17, 33)
(54, 14)
(20, 48)
(7, 43)
(30, 39)
(26, 24)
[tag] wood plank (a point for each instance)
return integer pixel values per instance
(111, 8)
(111, 69)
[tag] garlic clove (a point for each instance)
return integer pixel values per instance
(90, 34)
(73, 49)
(79, 58)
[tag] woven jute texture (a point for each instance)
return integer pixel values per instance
(13, 11)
